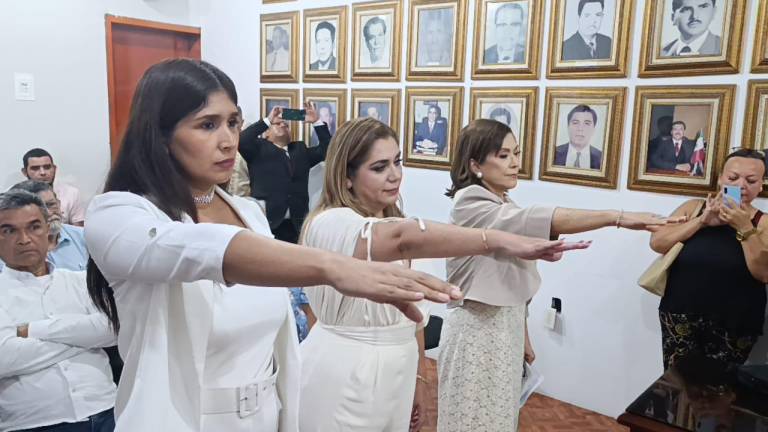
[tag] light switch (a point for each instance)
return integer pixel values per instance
(24, 86)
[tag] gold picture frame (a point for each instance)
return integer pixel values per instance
(523, 62)
(429, 143)
(386, 103)
(287, 98)
(583, 131)
(672, 125)
(760, 54)
(755, 134)
(572, 57)
(446, 61)
(335, 100)
(276, 1)
(661, 56)
(384, 18)
(332, 23)
(516, 107)
(281, 65)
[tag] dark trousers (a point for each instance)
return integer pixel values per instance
(684, 333)
(286, 232)
(101, 422)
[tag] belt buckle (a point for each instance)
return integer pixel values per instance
(247, 400)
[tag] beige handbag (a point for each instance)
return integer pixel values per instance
(654, 278)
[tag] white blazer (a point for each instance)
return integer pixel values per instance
(166, 276)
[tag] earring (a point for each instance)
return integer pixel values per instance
(479, 174)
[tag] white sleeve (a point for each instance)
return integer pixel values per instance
(21, 356)
(128, 240)
(81, 330)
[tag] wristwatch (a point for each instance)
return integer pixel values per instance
(743, 236)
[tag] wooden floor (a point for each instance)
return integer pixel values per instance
(540, 414)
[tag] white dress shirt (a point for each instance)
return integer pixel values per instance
(59, 373)
(582, 155)
(695, 45)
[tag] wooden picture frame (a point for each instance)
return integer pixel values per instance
(286, 98)
(583, 131)
(377, 27)
(522, 47)
(429, 143)
(666, 56)
(336, 102)
(445, 21)
(281, 65)
(571, 56)
(323, 27)
(760, 54)
(516, 107)
(755, 135)
(672, 125)
(385, 102)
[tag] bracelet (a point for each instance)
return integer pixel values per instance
(422, 379)
(485, 239)
(618, 220)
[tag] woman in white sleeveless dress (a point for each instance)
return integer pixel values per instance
(179, 268)
(361, 359)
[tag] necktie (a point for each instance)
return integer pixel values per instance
(592, 50)
(686, 50)
(577, 163)
(506, 59)
(677, 148)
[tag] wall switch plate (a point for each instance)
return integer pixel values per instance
(24, 86)
(550, 319)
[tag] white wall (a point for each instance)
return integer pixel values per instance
(63, 44)
(608, 349)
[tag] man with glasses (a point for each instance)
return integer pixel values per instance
(509, 24)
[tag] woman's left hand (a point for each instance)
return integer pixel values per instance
(418, 416)
(734, 215)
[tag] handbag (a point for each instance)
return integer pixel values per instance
(654, 278)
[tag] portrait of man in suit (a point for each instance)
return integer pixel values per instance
(375, 110)
(326, 112)
(436, 27)
(694, 20)
(376, 42)
(278, 50)
(505, 31)
(431, 133)
(587, 43)
(673, 154)
(578, 152)
(324, 47)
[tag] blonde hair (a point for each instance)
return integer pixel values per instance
(348, 150)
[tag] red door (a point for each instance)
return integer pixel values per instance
(133, 46)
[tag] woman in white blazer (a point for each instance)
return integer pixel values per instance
(176, 263)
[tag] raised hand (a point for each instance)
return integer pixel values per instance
(646, 221)
(735, 215)
(275, 116)
(711, 215)
(311, 115)
(531, 248)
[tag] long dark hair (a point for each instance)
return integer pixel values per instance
(168, 92)
(479, 139)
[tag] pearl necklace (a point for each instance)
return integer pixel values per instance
(203, 200)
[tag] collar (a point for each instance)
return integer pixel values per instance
(501, 54)
(573, 149)
(587, 41)
(695, 45)
(25, 276)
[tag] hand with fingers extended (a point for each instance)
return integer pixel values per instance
(311, 115)
(276, 115)
(530, 248)
(642, 221)
(711, 214)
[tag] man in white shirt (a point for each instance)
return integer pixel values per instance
(39, 166)
(279, 59)
(54, 376)
(693, 19)
(375, 35)
(577, 152)
(509, 32)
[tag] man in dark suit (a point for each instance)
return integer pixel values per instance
(587, 43)
(432, 133)
(674, 154)
(509, 23)
(279, 169)
(325, 40)
(574, 154)
(693, 19)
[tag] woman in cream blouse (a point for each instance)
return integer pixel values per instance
(484, 336)
(179, 268)
(361, 359)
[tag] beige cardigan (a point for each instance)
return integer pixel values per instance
(492, 279)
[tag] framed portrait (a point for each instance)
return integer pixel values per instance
(377, 27)
(331, 105)
(515, 107)
(590, 38)
(760, 55)
(433, 119)
(383, 105)
(582, 136)
(325, 45)
(284, 98)
(756, 121)
(680, 137)
(691, 37)
(436, 40)
(279, 48)
(507, 39)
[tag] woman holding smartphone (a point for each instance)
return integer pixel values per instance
(715, 298)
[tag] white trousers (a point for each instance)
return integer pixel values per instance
(358, 379)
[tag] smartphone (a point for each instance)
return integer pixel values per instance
(294, 114)
(732, 192)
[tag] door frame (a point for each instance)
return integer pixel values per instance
(110, 22)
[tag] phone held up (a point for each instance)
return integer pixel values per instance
(732, 192)
(294, 114)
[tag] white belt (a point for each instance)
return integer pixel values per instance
(244, 400)
(398, 334)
